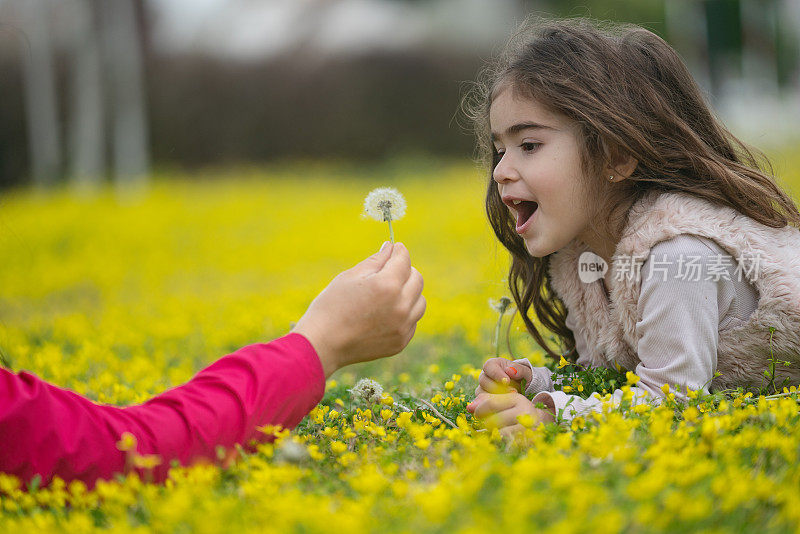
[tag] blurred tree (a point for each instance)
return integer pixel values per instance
(122, 49)
(40, 93)
(647, 13)
(86, 128)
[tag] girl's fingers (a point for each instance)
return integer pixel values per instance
(495, 368)
(491, 404)
(479, 398)
(492, 386)
(506, 418)
(486, 383)
(516, 370)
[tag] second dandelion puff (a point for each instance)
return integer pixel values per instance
(385, 204)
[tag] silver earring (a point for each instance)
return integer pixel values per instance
(611, 178)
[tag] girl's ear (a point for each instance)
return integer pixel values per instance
(624, 167)
(620, 164)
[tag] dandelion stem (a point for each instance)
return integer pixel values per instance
(391, 231)
(508, 333)
(497, 336)
(779, 395)
(434, 410)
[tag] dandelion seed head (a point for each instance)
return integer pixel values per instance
(368, 390)
(385, 204)
(291, 451)
(501, 305)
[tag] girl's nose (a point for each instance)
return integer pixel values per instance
(504, 172)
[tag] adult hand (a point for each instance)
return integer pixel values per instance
(501, 376)
(367, 312)
(502, 410)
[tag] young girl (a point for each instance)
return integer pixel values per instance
(642, 232)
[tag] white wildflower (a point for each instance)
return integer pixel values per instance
(385, 204)
(501, 305)
(291, 451)
(368, 390)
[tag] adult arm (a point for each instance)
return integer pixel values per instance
(366, 312)
(51, 431)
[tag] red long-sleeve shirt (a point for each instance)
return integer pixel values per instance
(50, 431)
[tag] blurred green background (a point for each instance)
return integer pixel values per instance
(115, 90)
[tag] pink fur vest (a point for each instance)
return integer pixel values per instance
(769, 259)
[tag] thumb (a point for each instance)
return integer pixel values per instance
(375, 263)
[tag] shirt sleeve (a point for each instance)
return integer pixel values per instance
(678, 329)
(50, 431)
(541, 377)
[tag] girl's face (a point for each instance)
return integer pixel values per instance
(539, 174)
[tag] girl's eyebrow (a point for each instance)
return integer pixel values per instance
(520, 126)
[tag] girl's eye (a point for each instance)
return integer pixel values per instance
(529, 147)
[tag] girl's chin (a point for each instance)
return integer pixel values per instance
(536, 250)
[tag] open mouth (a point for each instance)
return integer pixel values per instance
(525, 210)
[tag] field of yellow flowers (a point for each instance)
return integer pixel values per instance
(119, 299)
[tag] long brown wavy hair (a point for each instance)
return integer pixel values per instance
(629, 94)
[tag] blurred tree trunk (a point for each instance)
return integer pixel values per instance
(123, 65)
(87, 139)
(685, 21)
(40, 93)
(759, 43)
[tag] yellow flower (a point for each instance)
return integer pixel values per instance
(386, 414)
(404, 419)
(337, 447)
(525, 420)
(387, 401)
(127, 442)
(577, 423)
(314, 452)
(567, 389)
(422, 443)
(691, 414)
(562, 362)
(449, 385)
(146, 461)
(403, 377)
(665, 388)
(631, 377)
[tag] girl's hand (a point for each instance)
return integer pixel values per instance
(501, 376)
(502, 410)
